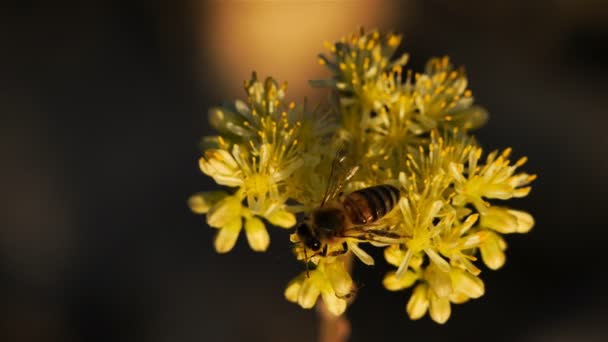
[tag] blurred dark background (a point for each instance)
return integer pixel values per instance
(102, 105)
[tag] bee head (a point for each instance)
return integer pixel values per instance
(306, 235)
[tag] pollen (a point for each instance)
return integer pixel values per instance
(221, 141)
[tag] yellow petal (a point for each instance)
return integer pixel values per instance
(467, 284)
(405, 263)
(439, 281)
(309, 292)
(223, 157)
(431, 213)
(499, 191)
(473, 117)
(224, 211)
(392, 283)
(227, 121)
(201, 202)
(468, 223)
(525, 221)
(459, 200)
(293, 289)
(473, 240)
(458, 298)
(500, 220)
(228, 180)
(403, 180)
(285, 172)
(282, 218)
(522, 192)
(492, 251)
(456, 172)
(264, 154)
(339, 278)
(222, 167)
(404, 206)
(394, 255)
(241, 158)
(335, 305)
(256, 233)
(361, 254)
(226, 236)
(440, 262)
(440, 309)
(462, 260)
(242, 108)
(418, 303)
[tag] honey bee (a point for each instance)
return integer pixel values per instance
(357, 215)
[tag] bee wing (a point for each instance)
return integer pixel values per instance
(342, 170)
(381, 231)
(381, 236)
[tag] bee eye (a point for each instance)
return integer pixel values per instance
(306, 235)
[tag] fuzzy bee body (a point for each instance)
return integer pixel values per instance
(352, 213)
(356, 215)
(370, 204)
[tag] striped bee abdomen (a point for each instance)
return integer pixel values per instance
(370, 204)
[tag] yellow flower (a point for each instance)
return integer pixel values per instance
(201, 203)
(457, 242)
(453, 146)
(387, 116)
(496, 179)
(438, 289)
(258, 151)
(405, 129)
(329, 279)
(241, 122)
(259, 175)
(394, 255)
(226, 213)
(360, 59)
(493, 251)
(442, 98)
(259, 181)
(442, 283)
(506, 221)
(267, 118)
(419, 211)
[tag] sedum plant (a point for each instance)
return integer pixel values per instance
(407, 129)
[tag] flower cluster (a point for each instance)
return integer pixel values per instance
(404, 129)
(261, 145)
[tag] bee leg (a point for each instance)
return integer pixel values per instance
(344, 247)
(340, 252)
(324, 251)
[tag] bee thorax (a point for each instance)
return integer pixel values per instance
(328, 220)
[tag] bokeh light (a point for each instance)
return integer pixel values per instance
(282, 38)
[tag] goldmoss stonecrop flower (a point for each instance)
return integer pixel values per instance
(330, 279)
(259, 152)
(408, 129)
